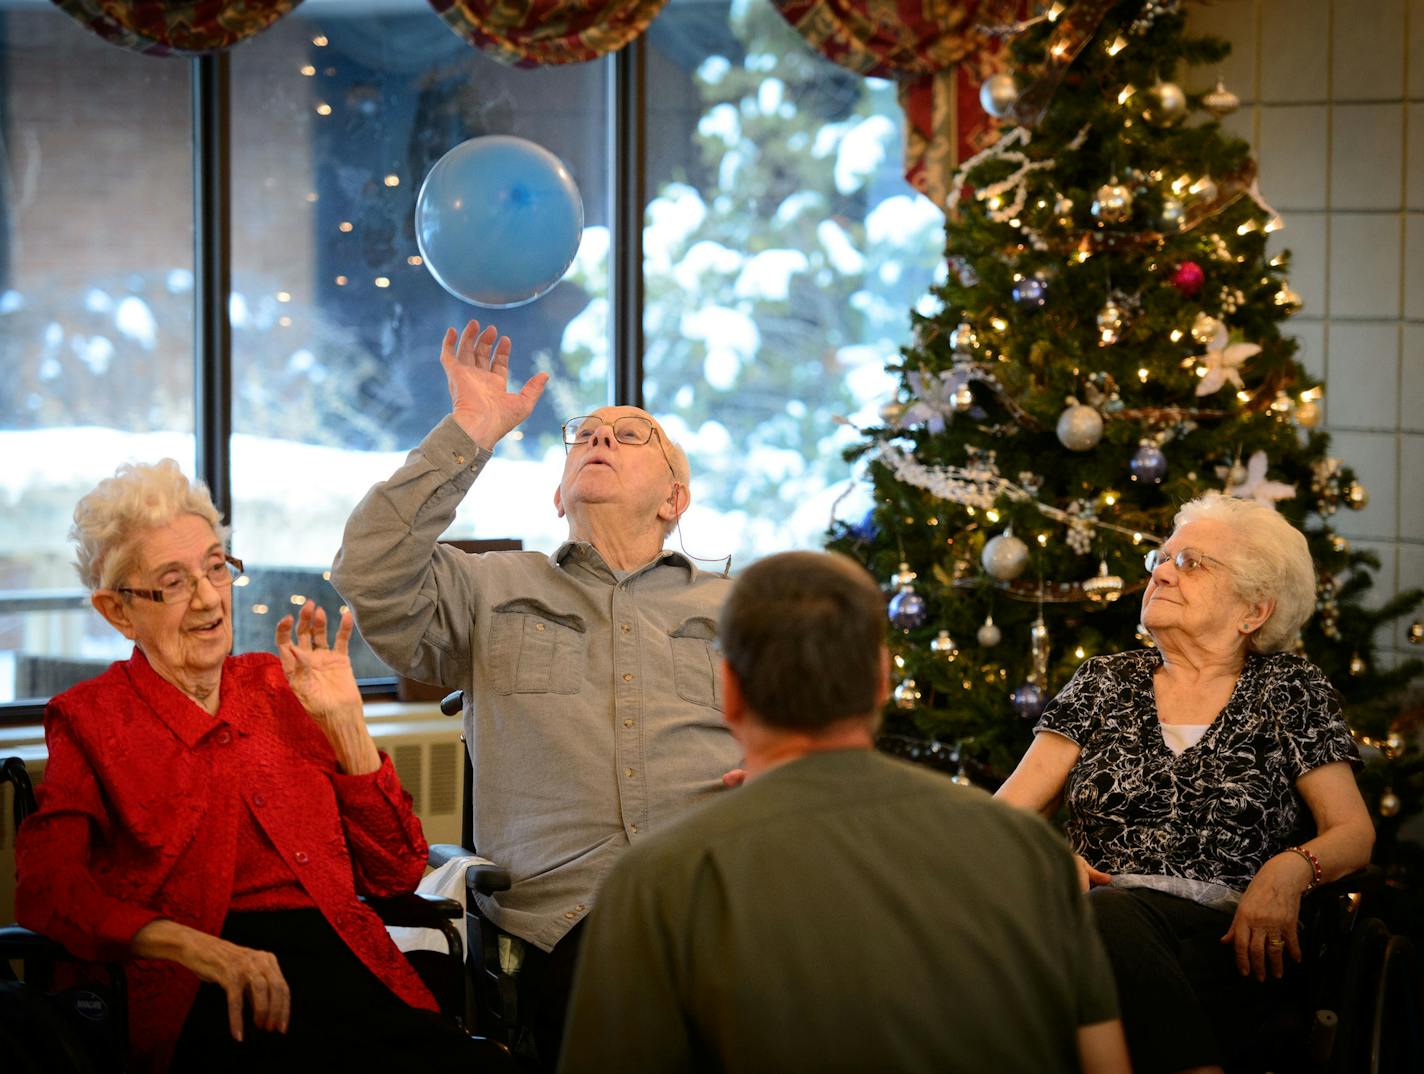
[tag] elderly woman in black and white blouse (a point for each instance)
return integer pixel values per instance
(1192, 771)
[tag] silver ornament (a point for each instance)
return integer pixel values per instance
(989, 635)
(1389, 804)
(1063, 210)
(1166, 105)
(1173, 215)
(1080, 427)
(998, 94)
(1103, 588)
(1111, 318)
(1237, 475)
(962, 399)
(907, 694)
(1004, 557)
(1221, 101)
(963, 339)
(1038, 645)
(944, 645)
(1204, 328)
(1113, 204)
(904, 577)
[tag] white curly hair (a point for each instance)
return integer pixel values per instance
(139, 497)
(1270, 561)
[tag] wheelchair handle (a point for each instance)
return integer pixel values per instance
(453, 704)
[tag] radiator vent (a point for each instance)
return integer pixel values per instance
(408, 757)
(444, 800)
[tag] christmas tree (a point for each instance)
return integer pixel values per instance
(1108, 346)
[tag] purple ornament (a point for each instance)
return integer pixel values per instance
(865, 529)
(908, 610)
(1031, 292)
(1149, 464)
(1027, 701)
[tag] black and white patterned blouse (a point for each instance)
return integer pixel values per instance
(1219, 810)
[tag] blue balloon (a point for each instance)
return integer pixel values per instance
(498, 221)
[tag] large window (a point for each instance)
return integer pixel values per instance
(96, 315)
(781, 255)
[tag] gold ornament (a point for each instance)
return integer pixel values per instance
(891, 411)
(904, 577)
(1173, 214)
(1113, 205)
(1165, 105)
(1110, 321)
(1307, 414)
(989, 635)
(1357, 497)
(1287, 298)
(962, 399)
(1063, 210)
(1103, 588)
(1388, 803)
(1358, 665)
(1221, 101)
(963, 339)
(1416, 633)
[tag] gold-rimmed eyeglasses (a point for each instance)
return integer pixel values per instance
(178, 586)
(627, 429)
(1187, 560)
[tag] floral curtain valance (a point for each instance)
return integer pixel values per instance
(932, 48)
(532, 33)
(175, 27)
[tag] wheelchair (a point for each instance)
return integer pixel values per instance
(493, 956)
(82, 1028)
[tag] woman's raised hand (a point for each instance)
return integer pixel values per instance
(319, 674)
(477, 374)
(321, 677)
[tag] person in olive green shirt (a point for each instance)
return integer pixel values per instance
(842, 911)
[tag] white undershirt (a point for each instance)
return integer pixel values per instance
(1179, 736)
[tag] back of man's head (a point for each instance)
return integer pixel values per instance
(803, 632)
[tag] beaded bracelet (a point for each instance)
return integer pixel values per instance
(1313, 862)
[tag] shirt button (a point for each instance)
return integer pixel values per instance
(539, 627)
(627, 676)
(627, 723)
(628, 772)
(258, 800)
(224, 737)
(459, 460)
(570, 914)
(300, 857)
(633, 828)
(579, 907)
(627, 627)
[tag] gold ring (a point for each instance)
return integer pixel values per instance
(1275, 943)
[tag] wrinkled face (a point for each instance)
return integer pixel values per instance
(1201, 603)
(604, 467)
(185, 638)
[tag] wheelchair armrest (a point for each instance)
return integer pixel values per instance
(16, 941)
(483, 878)
(1364, 881)
(415, 910)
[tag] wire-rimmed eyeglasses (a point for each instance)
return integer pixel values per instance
(628, 429)
(1187, 559)
(180, 587)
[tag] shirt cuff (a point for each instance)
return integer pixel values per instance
(381, 784)
(451, 451)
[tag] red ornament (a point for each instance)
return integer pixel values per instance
(1188, 278)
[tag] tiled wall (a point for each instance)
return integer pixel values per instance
(1333, 103)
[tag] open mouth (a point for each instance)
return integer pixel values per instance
(208, 629)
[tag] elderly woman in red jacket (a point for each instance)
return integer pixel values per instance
(210, 819)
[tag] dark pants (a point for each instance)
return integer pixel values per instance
(1183, 1002)
(343, 1017)
(546, 981)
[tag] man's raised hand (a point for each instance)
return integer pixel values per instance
(477, 374)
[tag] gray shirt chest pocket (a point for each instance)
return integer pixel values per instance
(536, 650)
(696, 662)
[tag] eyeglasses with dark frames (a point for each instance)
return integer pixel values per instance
(219, 574)
(1187, 560)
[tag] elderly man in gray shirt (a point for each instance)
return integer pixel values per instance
(591, 676)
